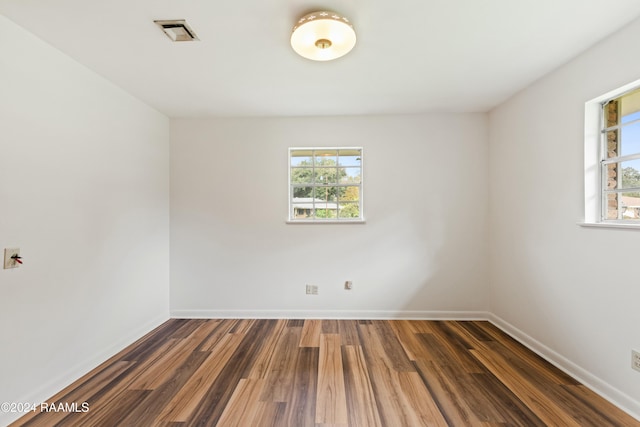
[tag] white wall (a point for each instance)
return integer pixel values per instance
(571, 291)
(84, 192)
(423, 248)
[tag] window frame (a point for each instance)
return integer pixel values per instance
(593, 153)
(604, 161)
(291, 219)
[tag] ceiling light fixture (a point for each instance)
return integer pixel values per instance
(323, 36)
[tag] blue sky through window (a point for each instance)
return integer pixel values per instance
(630, 135)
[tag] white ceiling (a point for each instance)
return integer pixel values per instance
(412, 56)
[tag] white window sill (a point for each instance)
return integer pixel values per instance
(357, 221)
(634, 226)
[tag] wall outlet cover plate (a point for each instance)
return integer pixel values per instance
(8, 261)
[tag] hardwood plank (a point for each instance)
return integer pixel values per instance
(148, 364)
(163, 367)
(301, 408)
(473, 329)
(186, 400)
(594, 410)
(446, 391)
(213, 402)
(124, 380)
(160, 368)
(223, 328)
(294, 323)
(384, 346)
(331, 402)
(244, 405)
(330, 326)
(419, 326)
(149, 343)
(188, 328)
(454, 347)
(242, 326)
(311, 333)
(464, 398)
(264, 359)
(116, 393)
(83, 390)
(407, 336)
(246, 409)
(534, 362)
(146, 413)
(541, 375)
(547, 410)
(272, 415)
(494, 400)
(348, 330)
(394, 405)
(361, 400)
(119, 407)
(280, 373)
(417, 397)
(202, 333)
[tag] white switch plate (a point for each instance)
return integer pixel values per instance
(8, 261)
(312, 290)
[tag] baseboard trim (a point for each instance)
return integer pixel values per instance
(604, 389)
(62, 381)
(330, 314)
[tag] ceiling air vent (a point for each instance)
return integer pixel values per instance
(177, 30)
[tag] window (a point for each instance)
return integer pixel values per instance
(620, 158)
(325, 185)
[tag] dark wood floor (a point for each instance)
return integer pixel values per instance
(301, 373)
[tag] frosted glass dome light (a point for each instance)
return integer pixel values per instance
(323, 36)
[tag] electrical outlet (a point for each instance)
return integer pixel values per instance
(348, 285)
(635, 360)
(312, 290)
(10, 262)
